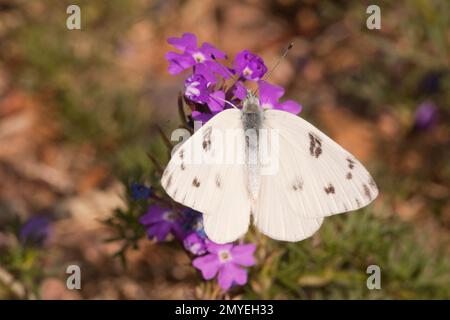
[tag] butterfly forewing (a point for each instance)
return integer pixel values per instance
(318, 176)
(207, 173)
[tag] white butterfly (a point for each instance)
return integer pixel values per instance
(314, 177)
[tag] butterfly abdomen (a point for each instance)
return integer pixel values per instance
(252, 124)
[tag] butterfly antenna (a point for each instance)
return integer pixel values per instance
(285, 53)
(268, 74)
(233, 76)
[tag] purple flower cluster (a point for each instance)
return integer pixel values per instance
(426, 116)
(205, 90)
(249, 66)
(224, 260)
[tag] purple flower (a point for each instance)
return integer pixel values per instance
(225, 260)
(139, 191)
(201, 58)
(195, 244)
(197, 88)
(426, 115)
(249, 65)
(268, 97)
(239, 90)
(270, 94)
(193, 222)
(215, 104)
(35, 230)
(159, 222)
(201, 116)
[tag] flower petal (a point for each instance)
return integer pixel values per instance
(216, 247)
(243, 254)
(159, 231)
(240, 60)
(177, 229)
(268, 93)
(208, 265)
(216, 101)
(178, 62)
(230, 273)
(186, 40)
(195, 244)
(204, 70)
(209, 50)
(197, 89)
(225, 277)
(249, 66)
(154, 214)
(203, 117)
(239, 90)
(240, 275)
(289, 106)
(217, 68)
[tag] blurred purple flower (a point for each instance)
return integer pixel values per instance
(249, 65)
(426, 115)
(35, 230)
(226, 261)
(201, 58)
(159, 222)
(193, 222)
(270, 94)
(431, 82)
(195, 244)
(139, 191)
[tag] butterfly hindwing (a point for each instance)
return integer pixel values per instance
(276, 218)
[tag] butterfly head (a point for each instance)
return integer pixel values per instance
(251, 103)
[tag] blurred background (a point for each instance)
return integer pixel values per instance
(80, 110)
